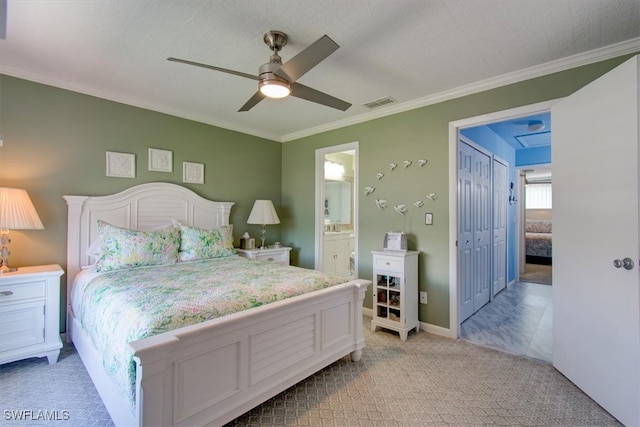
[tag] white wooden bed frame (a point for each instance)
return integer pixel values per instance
(212, 372)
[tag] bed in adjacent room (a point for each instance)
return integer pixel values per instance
(174, 328)
(538, 241)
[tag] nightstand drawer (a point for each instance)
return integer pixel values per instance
(281, 257)
(388, 263)
(24, 290)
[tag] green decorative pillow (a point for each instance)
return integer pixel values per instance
(125, 248)
(198, 243)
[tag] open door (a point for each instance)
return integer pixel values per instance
(596, 299)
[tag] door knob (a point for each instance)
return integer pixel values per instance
(626, 263)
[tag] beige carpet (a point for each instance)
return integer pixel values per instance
(430, 380)
(537, 273)
(425, 381)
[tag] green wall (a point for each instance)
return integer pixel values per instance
(55, 142)
(420, 133)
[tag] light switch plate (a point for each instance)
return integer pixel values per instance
(428, 219)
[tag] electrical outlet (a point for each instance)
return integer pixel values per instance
(423, 297)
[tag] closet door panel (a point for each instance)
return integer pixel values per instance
(465, 231)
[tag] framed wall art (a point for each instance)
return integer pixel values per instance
(121, 165)
(193, 173)
(160, 160)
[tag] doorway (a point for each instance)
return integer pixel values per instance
(336, 220)
(537, 260)
(454, 132)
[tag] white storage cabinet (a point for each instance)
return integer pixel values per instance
(395, 291)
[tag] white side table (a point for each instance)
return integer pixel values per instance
(395, 291)
(279, 255)
(30, 313)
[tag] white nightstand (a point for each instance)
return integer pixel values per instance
(30, 313)
(280, 255)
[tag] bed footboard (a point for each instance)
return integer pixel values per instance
(215, 371)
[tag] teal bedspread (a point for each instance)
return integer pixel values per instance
(128, 305)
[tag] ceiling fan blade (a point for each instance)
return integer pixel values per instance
(257, 97)
(297, 66)
(305, 92)
(212, 67)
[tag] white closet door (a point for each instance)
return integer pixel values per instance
(465, 230)
(500, 195)
(474, 229)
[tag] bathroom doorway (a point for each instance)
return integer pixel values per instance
(336, 210)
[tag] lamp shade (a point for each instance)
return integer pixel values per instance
(17, 211)
(263, 213)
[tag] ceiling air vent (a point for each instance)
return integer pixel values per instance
(380, 102)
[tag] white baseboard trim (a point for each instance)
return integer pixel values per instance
(427, 327)
(435, 330)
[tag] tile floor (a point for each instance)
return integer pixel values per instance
(518, 320)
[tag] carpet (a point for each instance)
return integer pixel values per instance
(427, 380)
(537, 273)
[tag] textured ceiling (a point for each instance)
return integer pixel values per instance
(417, 52)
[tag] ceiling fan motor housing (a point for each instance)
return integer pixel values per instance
(266, 76)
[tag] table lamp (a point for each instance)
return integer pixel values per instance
(263, 213)
(16, 213)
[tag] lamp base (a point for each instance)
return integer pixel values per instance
(7, 269)
(4, 252)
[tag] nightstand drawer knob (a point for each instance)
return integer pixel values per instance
(6, 293)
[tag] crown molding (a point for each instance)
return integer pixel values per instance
(586, 58)
(131, 101)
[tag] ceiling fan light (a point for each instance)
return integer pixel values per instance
(274, 88)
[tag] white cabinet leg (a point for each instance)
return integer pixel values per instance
(52, 356)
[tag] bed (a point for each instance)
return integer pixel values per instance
(538, 241)
(210, 372)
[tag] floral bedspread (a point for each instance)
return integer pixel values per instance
(128, 305)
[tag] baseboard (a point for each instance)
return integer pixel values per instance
(435, 330)
(427, 327)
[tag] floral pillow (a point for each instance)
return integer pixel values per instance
(125, 248)
(198, 243)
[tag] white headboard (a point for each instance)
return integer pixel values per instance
(143, 207)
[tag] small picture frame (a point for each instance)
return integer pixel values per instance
(121, 165)
(193, 173)
(428, 219)
(160, 160)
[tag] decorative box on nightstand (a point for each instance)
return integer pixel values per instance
(30, 313)
(279, 255)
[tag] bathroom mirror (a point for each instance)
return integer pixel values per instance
(337, 203)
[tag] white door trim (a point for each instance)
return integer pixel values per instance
(319, 205)
(454, 127)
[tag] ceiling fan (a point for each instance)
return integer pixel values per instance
(277, 80)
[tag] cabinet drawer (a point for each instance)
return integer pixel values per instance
(24, 290)
(388, 263)
(280, 257)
